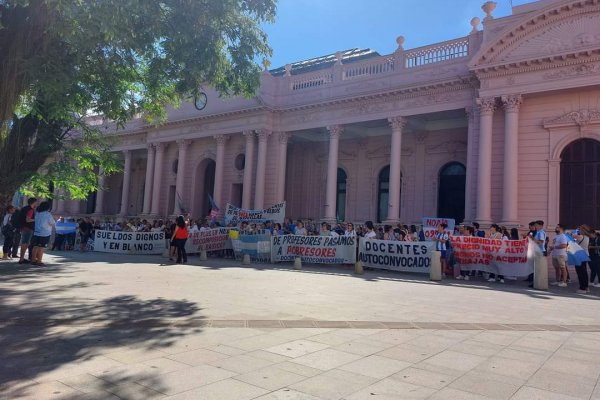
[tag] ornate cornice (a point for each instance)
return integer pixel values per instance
(184, 143)
(160, 146)
(579, 118)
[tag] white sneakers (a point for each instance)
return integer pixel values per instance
(562, 284)
(492, 280)
(596, 284)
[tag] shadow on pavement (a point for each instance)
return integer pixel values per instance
(216, 263)
(42, 330)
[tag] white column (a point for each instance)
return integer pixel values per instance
(470, 111)
(219, 166)
(397, 123)
(149, 179)
(510, 188)
(126, 182)
(179, 184)
(484, 172)
(248, 168)
(261, 166)
(332, 166)
(99, 209)
(283, 142)
(156, 185)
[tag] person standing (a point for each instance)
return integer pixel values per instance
(8, 230)
(350, 232)
(583, 240)
(559, 256)
(594, 249)
(441, 240)
(496, 233)
(370, 234)
(44, 222)
(180, 236)
(85, 232)
(300, 230)
(27, 222)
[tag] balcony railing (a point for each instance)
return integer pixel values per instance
(311, 80)
(436, 53)
(380, 65)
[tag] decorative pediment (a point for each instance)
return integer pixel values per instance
(558, 31)
(574, 118)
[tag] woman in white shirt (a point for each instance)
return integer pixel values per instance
(370, 230)
(350, 232)
(495, 233)
(44, 222)
(300, 229)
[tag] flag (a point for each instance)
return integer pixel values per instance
(214, 210)
(181, 205)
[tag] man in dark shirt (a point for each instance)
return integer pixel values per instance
(27, 218)
(85, 230)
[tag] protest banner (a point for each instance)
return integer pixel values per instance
(430, 226)
(314, 249)
(396, 256)
(129, 242)
(65, 228)
(209, 240)
(498, 256)
(234, 215)
(256, 244)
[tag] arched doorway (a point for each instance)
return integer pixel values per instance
(340, 204)
(204, 184)
(451, 191)
(580, 184)
(383, 193)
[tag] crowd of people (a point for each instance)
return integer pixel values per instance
(30, 229)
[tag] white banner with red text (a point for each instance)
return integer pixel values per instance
(314, 249)
(209, 240)
(235, 215)
(396, 256)
(498, 256)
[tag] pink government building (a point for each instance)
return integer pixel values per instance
(502, 125)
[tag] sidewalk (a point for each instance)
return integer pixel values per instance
(99, 326)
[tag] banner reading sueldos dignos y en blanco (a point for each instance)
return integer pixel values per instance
(129, 242)
(234, 215)
(314, 249)
(396, 256)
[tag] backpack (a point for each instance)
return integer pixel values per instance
(17, 220)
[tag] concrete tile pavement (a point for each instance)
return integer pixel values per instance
(83, 332)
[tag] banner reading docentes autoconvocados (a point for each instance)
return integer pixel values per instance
(396, 256)
(314, 249)
(129, 242)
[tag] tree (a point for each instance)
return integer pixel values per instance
(65, 60)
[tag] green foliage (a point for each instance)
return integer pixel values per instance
(64, 60)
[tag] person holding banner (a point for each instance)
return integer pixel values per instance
(180, 236)
(350, 232)
(496, 233)
(300, 230)
(441, 241)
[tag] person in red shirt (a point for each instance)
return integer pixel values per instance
(180, 236)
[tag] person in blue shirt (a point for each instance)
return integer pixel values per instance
(44, 222)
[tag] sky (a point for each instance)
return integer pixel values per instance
(311, 28)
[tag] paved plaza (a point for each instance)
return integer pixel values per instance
(101, 326)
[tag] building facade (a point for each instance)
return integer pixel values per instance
(502, 125)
